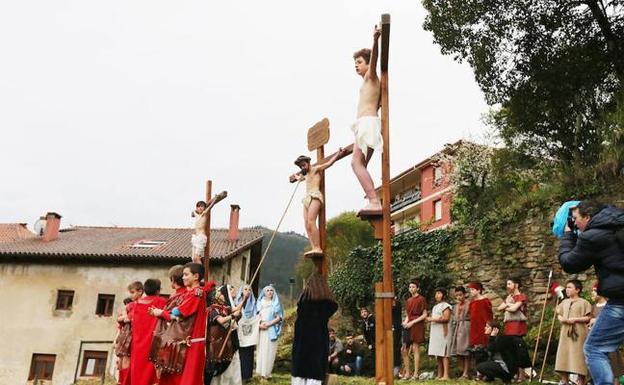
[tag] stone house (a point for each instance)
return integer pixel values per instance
(62, 290)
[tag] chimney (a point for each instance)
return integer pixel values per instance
(53, 223)
(234, 216)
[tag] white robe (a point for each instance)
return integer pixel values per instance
(232, 375)
(267, 349)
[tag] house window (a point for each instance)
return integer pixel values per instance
(437, 208)
(41, 367)
(229, 268)
(64, 299)
(437, 175)
(105, 304)
(93, 363)
(148, 244)
(243, 275)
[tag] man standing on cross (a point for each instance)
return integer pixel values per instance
(367, 127)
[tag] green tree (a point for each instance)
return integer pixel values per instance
(414, 255)
(345, 232)
(553, 66)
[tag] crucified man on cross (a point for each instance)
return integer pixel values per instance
(313, 200)
(200, 238)
(367, 127)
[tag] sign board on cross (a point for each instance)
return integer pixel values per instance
(318, 135)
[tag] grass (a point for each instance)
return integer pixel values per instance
(284, 379)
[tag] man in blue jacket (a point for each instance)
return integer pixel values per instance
(599, 243)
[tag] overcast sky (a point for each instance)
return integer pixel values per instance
(117, 112)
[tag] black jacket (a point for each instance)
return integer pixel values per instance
(509, 350)
(368, 329)
(598, 245)
(310, 347)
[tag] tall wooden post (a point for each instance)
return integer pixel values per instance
(384, 352)
(207, 228)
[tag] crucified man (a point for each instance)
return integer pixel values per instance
(199, 238)
(367, 127)
(313, 200)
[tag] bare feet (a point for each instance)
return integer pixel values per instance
(373, 204)
(314, 251)
(372, 208)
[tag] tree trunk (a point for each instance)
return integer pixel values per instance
(614, 45)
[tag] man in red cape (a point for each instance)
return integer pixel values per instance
(135, 289)
(480, 310)
(176, 299)
(193, 303)
(142, 371)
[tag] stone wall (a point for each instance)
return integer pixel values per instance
(526, 249)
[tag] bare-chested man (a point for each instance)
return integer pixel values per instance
(199, 239)
(367, 127)
(313, 200)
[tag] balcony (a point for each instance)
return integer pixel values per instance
(405, 200)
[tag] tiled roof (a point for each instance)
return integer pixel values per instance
(10, 232)
(85, 242)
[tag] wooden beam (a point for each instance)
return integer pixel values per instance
(207, 230)
(385, 352)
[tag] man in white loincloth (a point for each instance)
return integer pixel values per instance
(313, 200)
(199, 238)
(367, 127)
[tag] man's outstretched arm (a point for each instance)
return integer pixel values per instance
(372, 67)
(214, 200)
(331, 160)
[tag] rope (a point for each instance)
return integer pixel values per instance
(274, 233)
(227, 337)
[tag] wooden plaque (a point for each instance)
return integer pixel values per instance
(318, 135)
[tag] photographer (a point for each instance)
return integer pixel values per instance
(600, 242)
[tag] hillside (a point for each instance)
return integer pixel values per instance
(279, 265)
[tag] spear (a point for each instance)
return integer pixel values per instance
(558, 291)
(539, 329)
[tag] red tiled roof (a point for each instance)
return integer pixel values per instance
(117, 243)
(10, 232)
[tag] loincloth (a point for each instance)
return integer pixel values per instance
(367, 131)
(310, 195)
(198, 241)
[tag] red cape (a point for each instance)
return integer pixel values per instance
(142, 371)
(480, 313)
(194, 303)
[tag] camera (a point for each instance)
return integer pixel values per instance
(571, 221)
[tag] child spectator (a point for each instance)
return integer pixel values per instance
(416, 312)
(460, 338)
(574, 314)
(439, 333)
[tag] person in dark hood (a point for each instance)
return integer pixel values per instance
(222, 359)
(599, 242)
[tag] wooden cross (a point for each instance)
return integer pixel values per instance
(217, 199)
(384, 291)
(318, 136)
